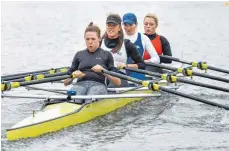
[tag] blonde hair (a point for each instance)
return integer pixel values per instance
(150, 15)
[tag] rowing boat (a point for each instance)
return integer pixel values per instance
(56, 116)
(58, 112)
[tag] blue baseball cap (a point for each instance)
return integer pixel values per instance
(129, 18)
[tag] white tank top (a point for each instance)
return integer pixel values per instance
(120, 56)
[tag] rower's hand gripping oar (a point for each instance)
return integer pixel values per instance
(200, 65)
(172, 78)
(187, 72)
(6, 86)
(156, 87)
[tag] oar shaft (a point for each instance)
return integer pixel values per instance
(92, 97)
(144, 72)
(22, 74)
(190, 63)
(175, 59)
(18, 76)
(156, 87)
(202, 85)
(161, 66)
(9, 85)
(193, 73)
(123, 76)
(218, 69)
(180, 80)
(35, 88)
(211, 77)
(194, 98)
(124, 91)
(45, 80)
(35, 77)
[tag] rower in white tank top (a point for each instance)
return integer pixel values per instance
(119, 57)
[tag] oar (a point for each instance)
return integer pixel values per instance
(137, 87)
(42, 89)
(91, 97)
(21, 75)
(38, 77)
(188, 72)
(25, 73)
(172, 78)
(156, 87)
(200, 65)
(32, 72)
(6, 86)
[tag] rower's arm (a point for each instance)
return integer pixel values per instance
(74, 67)
(132, 66)
(68, 81)
(75, 64)
(132, 52)
(166, 50)
(114, 80)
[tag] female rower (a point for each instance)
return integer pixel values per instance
(88, 63)
(140, 40)
(121, 49)
(160, 43)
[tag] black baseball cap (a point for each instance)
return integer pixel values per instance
(114, 18)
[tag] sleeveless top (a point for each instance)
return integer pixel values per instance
(119, 57)
(157, 44)
(138, 44)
